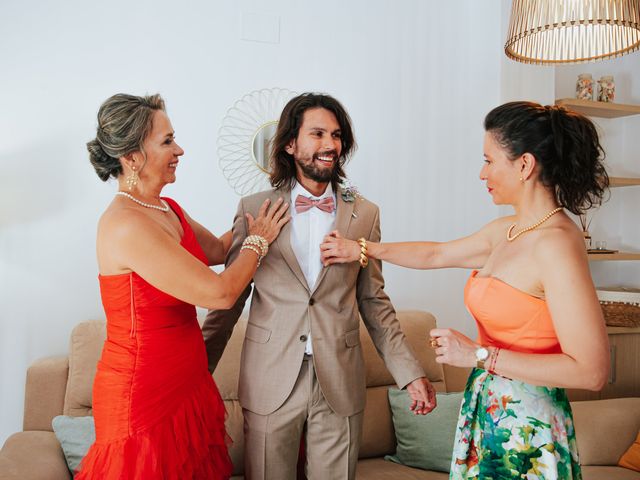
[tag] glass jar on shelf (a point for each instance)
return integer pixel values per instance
(606, 89)
(584, 87)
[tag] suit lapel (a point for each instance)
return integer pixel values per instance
(344, 214)
(284, 241)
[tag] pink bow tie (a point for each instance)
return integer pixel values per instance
(325, 204)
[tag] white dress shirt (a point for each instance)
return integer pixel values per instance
(307, 231)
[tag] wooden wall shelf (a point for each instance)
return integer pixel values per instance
(623, 181)
(604, 257)
(622, 330)
(599, 109)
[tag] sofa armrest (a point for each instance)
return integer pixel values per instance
(44, 392)
(34, 456)
(605, 429)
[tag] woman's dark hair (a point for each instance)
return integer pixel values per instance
(565, 145)
(124, 121)
(283, 169)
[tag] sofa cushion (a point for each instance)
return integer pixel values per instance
(45, 391)
(85, 348)
(608, 473)
(227, 371)
(631, 458)
(416, 326)
(76, 435)
(379, 469)
(34, 455)
(378, 438)
(592, 418)
(424, 442)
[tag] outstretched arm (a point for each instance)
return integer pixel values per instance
(129, 240)
(467, 252)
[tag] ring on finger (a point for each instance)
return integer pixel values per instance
(434, 342)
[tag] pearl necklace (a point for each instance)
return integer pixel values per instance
(163, 208)
(531, 227)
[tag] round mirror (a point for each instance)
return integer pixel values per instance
(261, 145)
(244, 139)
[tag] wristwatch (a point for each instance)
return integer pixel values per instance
(481, 356)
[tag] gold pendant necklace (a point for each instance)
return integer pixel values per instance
(531, 227)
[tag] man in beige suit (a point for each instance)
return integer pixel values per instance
(302, 372)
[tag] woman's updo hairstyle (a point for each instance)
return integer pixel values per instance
(124, 121)
(565, 145)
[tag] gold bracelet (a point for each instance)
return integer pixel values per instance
(364, 259)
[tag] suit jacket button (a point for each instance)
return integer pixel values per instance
(311, 301)
(303, 338)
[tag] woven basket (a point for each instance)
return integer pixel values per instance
(621, 306)
(618, 314)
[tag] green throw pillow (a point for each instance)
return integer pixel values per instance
(76, 435)
(424, 441)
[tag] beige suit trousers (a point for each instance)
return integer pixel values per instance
(272, 442)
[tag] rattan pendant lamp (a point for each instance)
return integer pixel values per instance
(572, 31)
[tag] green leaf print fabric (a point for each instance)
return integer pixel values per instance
(509, 429)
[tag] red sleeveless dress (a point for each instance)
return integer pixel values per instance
(158, 413)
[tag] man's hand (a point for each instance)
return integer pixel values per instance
(423, 395)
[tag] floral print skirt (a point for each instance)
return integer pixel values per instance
(509, 429)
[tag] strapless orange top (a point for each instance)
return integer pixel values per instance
(510, 318)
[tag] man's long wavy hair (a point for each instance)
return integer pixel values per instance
(283, 168)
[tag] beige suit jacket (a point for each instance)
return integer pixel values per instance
(284, 309)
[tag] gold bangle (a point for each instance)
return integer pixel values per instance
(364, 259)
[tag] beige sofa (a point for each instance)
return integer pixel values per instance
(59, 385)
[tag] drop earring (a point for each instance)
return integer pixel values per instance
(132, 180)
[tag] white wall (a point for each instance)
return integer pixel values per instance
(417, 77)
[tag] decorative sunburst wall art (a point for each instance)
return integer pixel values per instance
(245, 135)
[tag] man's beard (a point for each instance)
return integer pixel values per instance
(315, 173)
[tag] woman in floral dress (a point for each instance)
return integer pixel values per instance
(540, 326)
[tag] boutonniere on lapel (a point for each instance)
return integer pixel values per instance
(349, 193)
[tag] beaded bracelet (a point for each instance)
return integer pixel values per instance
(494, 359)
(253, 249)
(258, 241)
(364, 259)
(256, 244)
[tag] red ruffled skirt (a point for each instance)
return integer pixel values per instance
(190, 444)
(158, 413)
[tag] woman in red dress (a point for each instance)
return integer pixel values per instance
(158, 413)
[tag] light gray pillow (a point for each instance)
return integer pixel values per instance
(424, 441)
(76, 435)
